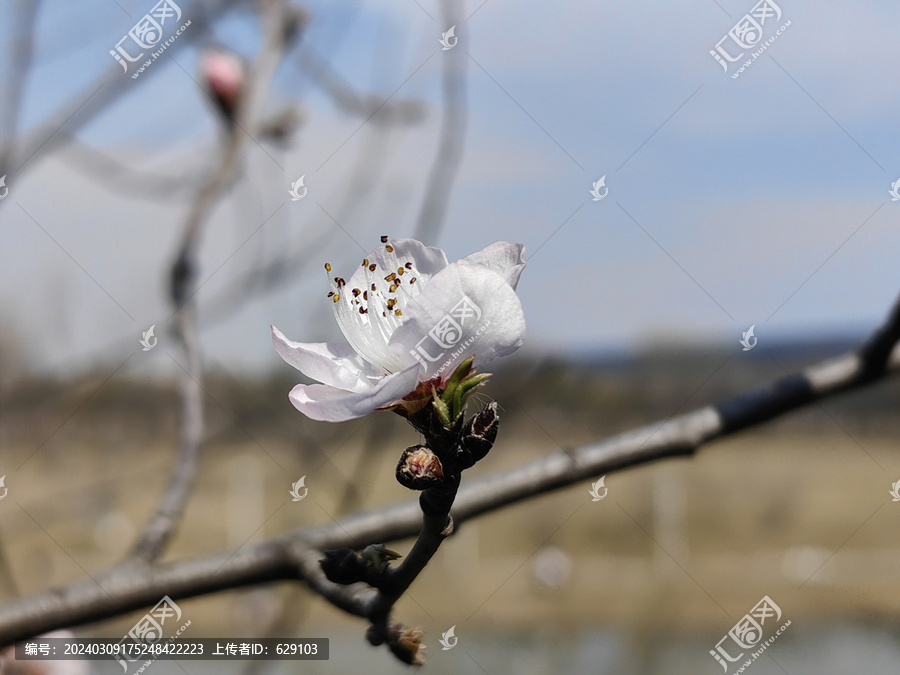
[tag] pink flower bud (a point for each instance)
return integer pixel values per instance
(224, 74)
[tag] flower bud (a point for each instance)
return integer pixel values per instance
(478, 435)
(225, 76)
(343, 566)
(419, 468)
(406, 644)
(378, 557)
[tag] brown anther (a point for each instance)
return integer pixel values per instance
(365, 295)
(408, 265)
(365, 262)
(389, 248)
(412, 281)
(372, 267)
(336, 297)
(373, 288)
(339, 281)
(384, 239)
(330, 293)
(391, 276)
(327, 267)
(398, 312)
(356, 292)
(400, 271)
(393, 287)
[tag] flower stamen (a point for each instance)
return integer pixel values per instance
(370, 332)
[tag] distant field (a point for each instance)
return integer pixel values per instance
(798, 510)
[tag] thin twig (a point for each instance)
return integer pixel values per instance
(453, 132)
(295, 555)
(17, 68)
(435, 528)
(171, 507)
(95, 97)
(352, 102)
(120, 178)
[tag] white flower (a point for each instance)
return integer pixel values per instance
(408, 317)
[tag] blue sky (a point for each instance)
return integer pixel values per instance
(761, 200)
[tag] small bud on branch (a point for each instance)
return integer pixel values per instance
(406, 644)
(419, 468)
(478, 436)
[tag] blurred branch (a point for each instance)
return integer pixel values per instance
(164, 522)
(354, 103)
(292, 259)
(295, 555)
(96, 96)
(453, 133)
(8, 586)
(16, 73)
(289, 621)
(18, 67)
(372, 454)
(262, 278)
(118, 177)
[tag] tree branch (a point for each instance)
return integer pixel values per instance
(453, 132)
(295, 555)
(119, 178)
(93, 99)
(162, 525)
(18, 68)
(352, 102)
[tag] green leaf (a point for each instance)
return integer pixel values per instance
(442, 411)
(462, 371)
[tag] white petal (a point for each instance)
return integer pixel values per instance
(330, 404)
(465, 310)
(507, 260)
(428, 261)
(337, 365)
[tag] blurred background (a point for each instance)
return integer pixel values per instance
(762, 200)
